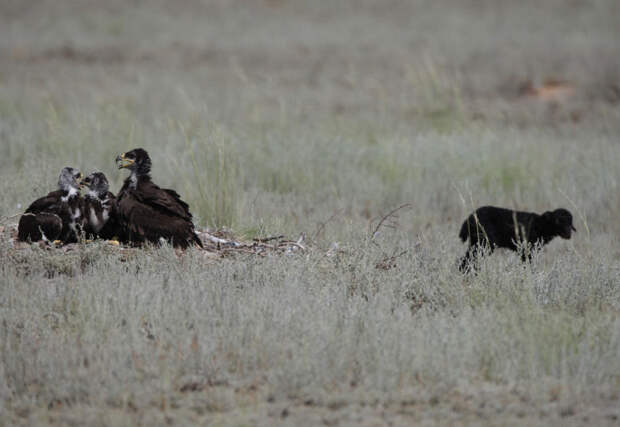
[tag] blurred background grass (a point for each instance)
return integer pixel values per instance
(241, 103)
(289, 116)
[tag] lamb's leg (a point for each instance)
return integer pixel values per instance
(525, 249)
(526, 255)
(466, 261)
(470, 260)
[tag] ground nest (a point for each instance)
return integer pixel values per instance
(216, 243)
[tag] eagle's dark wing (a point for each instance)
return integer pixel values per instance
(34, 227)
(167, 201)
(44, 218)
(177, 197)
(48, 203)
(144, 222)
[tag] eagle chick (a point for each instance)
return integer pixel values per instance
(148, 213)
(57, 216)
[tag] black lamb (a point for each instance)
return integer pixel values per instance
(490, 227)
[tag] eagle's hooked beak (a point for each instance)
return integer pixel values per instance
(80, 180)
(85, 182)
(123, 162)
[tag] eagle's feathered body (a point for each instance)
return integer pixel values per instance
(148, 213)
(100, 208)
(57, 216)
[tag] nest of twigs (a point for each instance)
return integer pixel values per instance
(224, 243)
(218, 243)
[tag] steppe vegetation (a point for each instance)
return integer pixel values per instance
(318, 117)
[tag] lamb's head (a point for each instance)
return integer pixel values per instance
(559, 222)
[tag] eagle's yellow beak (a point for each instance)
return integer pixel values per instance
(80, 180)
(123, 162)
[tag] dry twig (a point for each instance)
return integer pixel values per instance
(389, 216)
(323, 224)
(389, 261)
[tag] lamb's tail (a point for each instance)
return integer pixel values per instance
(464, 233)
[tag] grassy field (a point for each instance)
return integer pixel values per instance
(317, 117)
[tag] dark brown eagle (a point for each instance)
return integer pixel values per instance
(56, 217)
(100, 211)
(149, 213)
